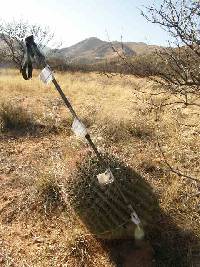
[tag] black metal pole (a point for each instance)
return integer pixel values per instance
(67, 103)
(69, 106)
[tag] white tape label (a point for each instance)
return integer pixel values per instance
(105, 177)
(46, 75)
(79, 128)
(134, 218)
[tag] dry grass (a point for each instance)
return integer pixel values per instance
(14, 118)
(123, 120)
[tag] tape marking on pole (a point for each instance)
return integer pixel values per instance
(134, 218)
(46, 75)
(79, 128)
(106, 177)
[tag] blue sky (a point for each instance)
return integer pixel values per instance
(74, 20)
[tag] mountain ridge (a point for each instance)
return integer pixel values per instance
(93, 49)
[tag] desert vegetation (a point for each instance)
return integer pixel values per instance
(151, 136)
(142, 111)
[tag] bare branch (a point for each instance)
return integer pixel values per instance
(178, 65)
(171, 169)
(12, 35)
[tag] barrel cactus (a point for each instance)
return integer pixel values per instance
(102, 208)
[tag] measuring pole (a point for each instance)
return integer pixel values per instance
(31, 51)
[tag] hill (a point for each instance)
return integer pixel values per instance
(93, 50)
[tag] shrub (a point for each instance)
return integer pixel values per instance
(122, 130)
(15, 118)
(48, 192)
(140, 65)
(103, 209)
(115, 130)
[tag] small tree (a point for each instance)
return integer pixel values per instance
(12, 35)
(179, 64)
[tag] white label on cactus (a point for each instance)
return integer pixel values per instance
(105, 177)
(46, 75)
(134, 218)
(79, 128)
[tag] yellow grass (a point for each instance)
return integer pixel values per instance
(122, 118)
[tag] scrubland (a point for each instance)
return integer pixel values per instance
(137, 121)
